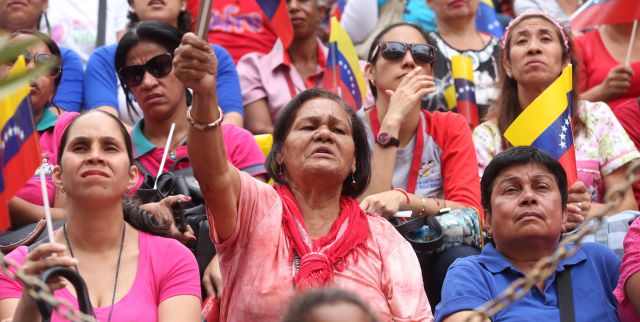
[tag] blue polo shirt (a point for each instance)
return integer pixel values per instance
(69, 93)
(474, 280)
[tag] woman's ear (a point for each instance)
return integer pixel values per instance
(368, 73)
(133, 177)
(183, 5)
(507, 67)
(57, 177)
(487, 222)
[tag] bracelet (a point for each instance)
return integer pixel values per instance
(203, 126)
(404, 192)
(423, 212)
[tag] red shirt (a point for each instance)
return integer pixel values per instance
(239, 26)
(629, 116)
(595, 64)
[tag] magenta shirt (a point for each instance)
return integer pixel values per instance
(257, 273)
(166, 268)
(630, 266)
(50, 129)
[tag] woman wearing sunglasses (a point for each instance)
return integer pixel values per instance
(457, 35)
(26, 206)
(101, 85)
(422, 161)
(26, 15)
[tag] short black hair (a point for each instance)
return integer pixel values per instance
(282, 127)
(371, 58)
(153, 31)
(302, 307)
(521, 155)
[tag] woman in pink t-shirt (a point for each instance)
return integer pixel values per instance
(130, 273)
(307, 232)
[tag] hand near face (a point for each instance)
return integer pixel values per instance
(163, 211)
(195, 64)
(578, 206)
(46, 256)
(412, 88)
(385, 203)
(617, 82)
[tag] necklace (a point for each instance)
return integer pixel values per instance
(115, 283)
(173, 149)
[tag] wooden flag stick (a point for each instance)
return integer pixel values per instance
(627, 61)
(45, 202)
(204, 17)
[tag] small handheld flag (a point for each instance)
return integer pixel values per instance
(605, 12)
(462, 70)
(278, 15)
(338, 9)
(546, 124)
(19, 149)
(487, 19)
(343, 75)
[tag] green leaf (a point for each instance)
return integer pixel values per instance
(11, 84)
(10, 50)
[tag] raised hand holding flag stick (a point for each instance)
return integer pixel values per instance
(204, 16)
(627, 61)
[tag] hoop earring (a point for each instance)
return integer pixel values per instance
(62, 189)
(280, 170)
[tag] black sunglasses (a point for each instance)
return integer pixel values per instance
(158, 67)
(394, 51)
(39, 59)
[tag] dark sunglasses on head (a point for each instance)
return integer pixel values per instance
(158, 67)
(39, 59)
(395, 51)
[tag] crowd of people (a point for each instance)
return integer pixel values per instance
(304, 229)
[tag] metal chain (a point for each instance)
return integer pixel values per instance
(40, 291)
(546, 266)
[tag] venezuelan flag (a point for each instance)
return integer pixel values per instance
(487, 19)
(338, 9)
(546, 124)
(450, 98)
(19, 149)
(343, 75)
(278, 15)
(605, 12)
(462, 70)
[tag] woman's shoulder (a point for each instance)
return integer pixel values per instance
(592, 113)
(159, 246)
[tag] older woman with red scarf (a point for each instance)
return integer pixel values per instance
(307, 232)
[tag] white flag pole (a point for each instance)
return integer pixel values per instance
(164, 155)
(627, 61)
(45, 201)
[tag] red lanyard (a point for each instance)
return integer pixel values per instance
(416, 162)
(292, 88)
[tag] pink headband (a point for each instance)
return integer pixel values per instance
(534, 14)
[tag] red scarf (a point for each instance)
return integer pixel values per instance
(320, 258)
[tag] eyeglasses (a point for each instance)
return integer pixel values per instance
(394, 51)
(158, 67)
(40, 59)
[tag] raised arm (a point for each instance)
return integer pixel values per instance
(195, 65)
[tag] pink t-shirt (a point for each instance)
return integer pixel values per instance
(630, 265)
(257, 273)
(49, 141)
(166, 268)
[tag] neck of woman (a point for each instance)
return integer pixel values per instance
(620, 33)
(319, 205)
(157, 131)
(37, 116)
(526, 95)
(524, 255)
(94, 228)
(461, 34)
(410, 123)
(304, 55)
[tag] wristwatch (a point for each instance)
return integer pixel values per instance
(385, 139)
